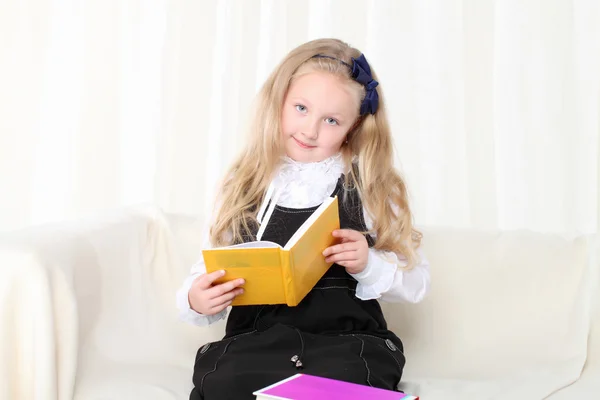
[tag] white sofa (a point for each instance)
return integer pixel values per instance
(87, 312)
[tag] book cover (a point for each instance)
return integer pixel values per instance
(305, 387)
(275, 274)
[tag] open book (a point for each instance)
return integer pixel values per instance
(275, 274)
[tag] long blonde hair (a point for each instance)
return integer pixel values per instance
(369, 148)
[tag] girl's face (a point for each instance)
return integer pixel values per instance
(318, 111)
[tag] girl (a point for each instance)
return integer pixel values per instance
(320, 130)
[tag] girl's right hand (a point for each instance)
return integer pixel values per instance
(209, 299)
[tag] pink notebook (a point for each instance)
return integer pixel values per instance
(305, 387)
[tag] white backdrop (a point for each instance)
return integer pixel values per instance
(495, 105)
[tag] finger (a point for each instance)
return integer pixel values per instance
(227, 297)
(219, 290)
(349, 234)
(348, 263)
(205, 281)
(352, 267)
(339, 248)
(220, 307)
(345, 256)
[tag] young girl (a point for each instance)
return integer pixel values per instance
(320, 130)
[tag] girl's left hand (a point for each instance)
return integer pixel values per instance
(352, 253)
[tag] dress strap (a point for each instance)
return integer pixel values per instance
(271, 199)
(338, 186)
(265, 203)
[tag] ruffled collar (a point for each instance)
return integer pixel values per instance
(303, 185)
(300, 185)
(333, 164)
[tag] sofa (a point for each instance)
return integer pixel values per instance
(88, 312)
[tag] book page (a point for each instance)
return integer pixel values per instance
(263, 244)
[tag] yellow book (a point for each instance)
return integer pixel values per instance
(275, 274)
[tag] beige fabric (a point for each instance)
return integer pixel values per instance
(590, 379)
(508, 315)
(88, 308)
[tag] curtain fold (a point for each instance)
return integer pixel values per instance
(494, 105)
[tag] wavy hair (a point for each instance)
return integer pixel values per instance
(368, 155)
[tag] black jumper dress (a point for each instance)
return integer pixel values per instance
(331, 333)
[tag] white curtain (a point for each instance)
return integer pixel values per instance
(494, 105)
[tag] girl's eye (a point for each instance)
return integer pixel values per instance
(301, 108)
(331, 121)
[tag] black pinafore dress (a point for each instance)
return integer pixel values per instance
(331, 333)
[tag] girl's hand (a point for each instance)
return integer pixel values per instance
(208, 299)
(352, 253)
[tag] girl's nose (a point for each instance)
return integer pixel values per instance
(311, 129)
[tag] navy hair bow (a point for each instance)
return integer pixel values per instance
(361, 73)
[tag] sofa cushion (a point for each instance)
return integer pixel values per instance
(505, 309)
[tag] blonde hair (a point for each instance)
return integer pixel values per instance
(368, 154)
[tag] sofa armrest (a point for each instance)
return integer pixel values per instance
(58, 283)
(588, 384)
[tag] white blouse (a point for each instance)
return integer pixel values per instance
(303, 185)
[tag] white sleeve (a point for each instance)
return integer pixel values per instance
(185, 311)
(382, 278)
